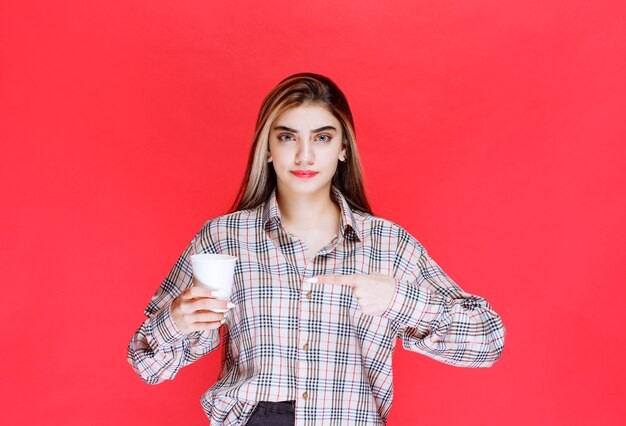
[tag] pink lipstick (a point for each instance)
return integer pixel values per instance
(304, 174)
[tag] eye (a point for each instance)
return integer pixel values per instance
(324, 137)
(285, 137)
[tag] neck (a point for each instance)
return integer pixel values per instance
(308, 212)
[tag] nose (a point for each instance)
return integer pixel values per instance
(304, 152)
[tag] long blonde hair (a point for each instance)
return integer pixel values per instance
(295, 90)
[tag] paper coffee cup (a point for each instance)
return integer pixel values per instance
(215, 271)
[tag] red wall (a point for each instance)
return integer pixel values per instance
(493, 131)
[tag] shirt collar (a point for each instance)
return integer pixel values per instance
(347, 223)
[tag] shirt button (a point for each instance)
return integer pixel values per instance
(309, 295)
(306, 347)
(305, 395)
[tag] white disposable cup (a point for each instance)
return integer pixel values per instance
(215, 271)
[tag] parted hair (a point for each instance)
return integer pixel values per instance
(298, 89)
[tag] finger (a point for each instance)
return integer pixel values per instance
(200, 304)
(206, 316)
(336, 279)
(206, 304)
(195, 292)
(205, 326)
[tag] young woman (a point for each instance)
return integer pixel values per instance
(322, 287)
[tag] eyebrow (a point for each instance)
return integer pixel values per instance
(321, 129)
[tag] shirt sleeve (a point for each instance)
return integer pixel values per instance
(158, 349)
(440, 320)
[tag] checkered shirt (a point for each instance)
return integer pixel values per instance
(288, 339)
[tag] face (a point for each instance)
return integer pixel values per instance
(305, 144)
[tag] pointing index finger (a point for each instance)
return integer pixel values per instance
(334, 279)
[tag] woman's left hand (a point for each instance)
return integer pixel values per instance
(373, 291)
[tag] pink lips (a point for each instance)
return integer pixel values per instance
(304, 174)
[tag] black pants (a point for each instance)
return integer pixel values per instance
(268, 413)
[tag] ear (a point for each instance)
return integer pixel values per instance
(269, 157)
(342, 154)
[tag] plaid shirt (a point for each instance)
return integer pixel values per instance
(288, 339)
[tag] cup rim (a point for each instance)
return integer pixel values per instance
(210, 256)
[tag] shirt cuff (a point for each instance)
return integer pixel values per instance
(164, 329)
(411, 305)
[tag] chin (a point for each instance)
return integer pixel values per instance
(309, 186)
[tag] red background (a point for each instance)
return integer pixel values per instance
(493, 131)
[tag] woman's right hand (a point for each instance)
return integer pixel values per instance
(192, 310)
